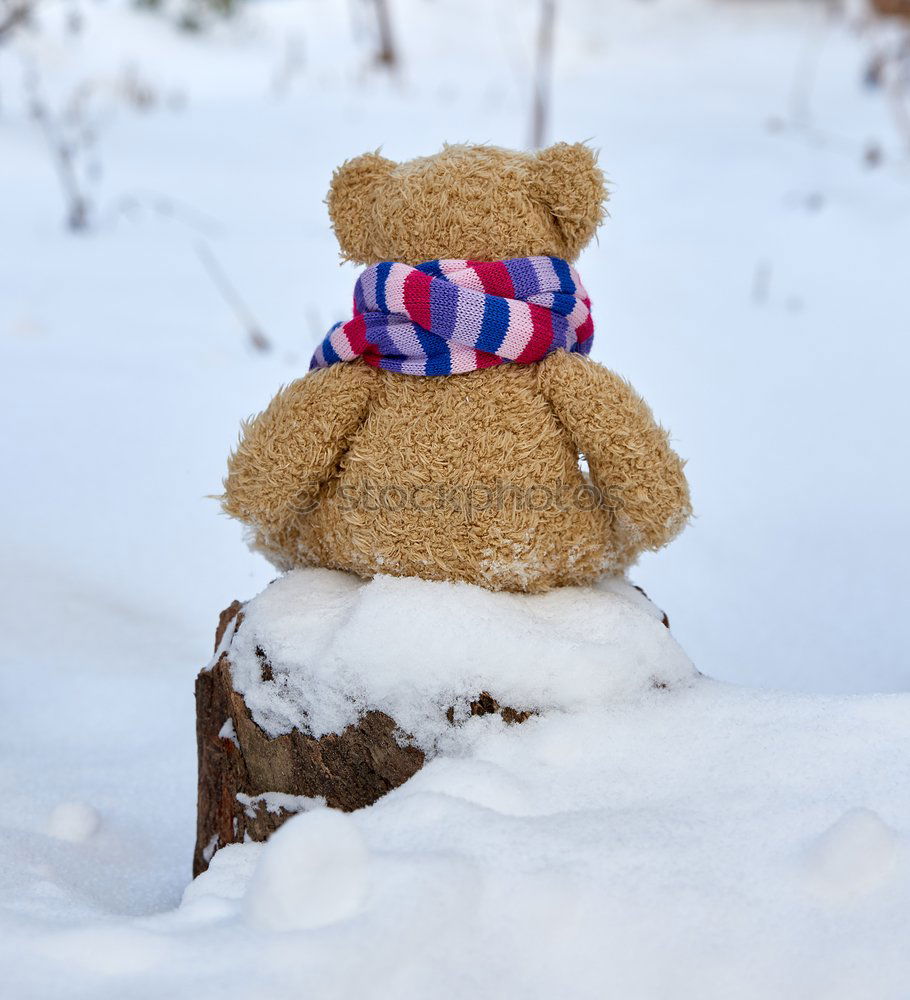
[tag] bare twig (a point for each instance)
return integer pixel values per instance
(542, 73)
(805, 74)
(293, 63)
(900, 112)
(761, 282)
(257, 338)
(13, 15)
(899, 88)
(64, 152)
(386, 53)
(888, 70)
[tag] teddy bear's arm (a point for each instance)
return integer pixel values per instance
(628, 453)
(289, 450)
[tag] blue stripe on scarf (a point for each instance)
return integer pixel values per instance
(428, 341)
(440, 363)
(495, 324)
(563, 303)
(561, 268)
(328, 352)
(382, 274)
(432, 268)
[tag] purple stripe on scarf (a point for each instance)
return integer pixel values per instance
(443, 307)
(377, 332)
(546, 276)
(524, 277)
(560, 331)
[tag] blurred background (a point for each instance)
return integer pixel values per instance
(166, 262)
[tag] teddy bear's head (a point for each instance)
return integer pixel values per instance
(468, 202)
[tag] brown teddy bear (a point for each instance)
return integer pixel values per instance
(440, 431)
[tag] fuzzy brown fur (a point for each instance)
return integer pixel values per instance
(469, 477)
(467, 202)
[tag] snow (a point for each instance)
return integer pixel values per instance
(677, 845)
(75, 821)
(276, 802)
(704, 840)
(228, 732)
(312, 872)
(856, 856)
(338, 647)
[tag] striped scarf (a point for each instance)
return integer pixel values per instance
(446, 317)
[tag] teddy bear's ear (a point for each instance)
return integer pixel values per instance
(352, 196)
(571, 185)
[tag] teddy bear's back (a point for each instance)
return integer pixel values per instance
(471, 477)
(467, 477)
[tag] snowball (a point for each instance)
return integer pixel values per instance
(73, 821)
(312, 872)
(853, 857)
(318, 649)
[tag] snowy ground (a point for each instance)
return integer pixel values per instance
(750, 282)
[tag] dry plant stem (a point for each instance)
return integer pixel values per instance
(804, 76)
(14, 16)
(889, 69)
(258, 340)
(387, 54)
(292, 64)
(897, 94)
(543, 72)
(883, 71)
(77, 204)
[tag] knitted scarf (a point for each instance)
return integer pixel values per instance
(446, 317)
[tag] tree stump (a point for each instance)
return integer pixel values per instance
(250, 783)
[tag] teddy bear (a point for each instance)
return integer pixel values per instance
(456, 429)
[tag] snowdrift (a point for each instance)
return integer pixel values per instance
(642, 828)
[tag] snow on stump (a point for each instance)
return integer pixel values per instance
(329, 690)
(250, 783)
